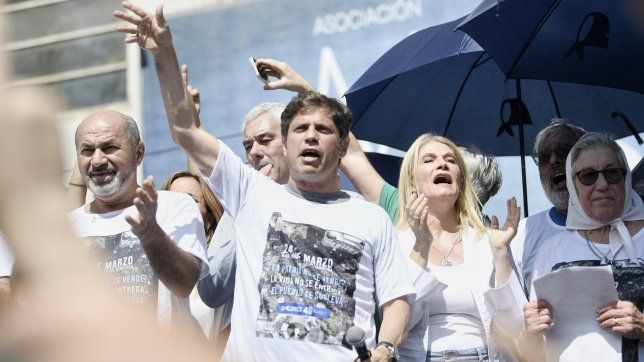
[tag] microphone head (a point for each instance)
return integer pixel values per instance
(355, 336)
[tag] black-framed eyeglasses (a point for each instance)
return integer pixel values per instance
(543, 157)
(612, 175)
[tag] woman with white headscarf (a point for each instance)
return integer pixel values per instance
(604, 227)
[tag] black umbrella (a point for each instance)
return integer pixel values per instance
(441, 81)
(595, 42)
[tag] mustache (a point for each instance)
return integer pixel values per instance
(94, 170)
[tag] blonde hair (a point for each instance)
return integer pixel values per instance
(466, 208)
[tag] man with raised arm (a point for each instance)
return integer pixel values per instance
(307, 263)
(150, 244)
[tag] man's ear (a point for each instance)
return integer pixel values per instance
(140, 152)
(344, 146)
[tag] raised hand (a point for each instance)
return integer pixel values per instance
(417, 214)
(538, 317)
(287, 78)
(151, 32)
(622, 318)
(146, 204)
(193, 92)
(500, 239)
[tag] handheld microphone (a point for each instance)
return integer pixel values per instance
(355, 336)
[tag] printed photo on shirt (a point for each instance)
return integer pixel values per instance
(307, 282)
(125, 263)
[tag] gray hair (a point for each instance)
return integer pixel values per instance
(556, 125)
(131, 131)
(484, 172)
(594, 141)
(274, 109)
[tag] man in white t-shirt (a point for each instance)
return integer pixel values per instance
(6, 269)
(309, 256)
(263, 146)
(262, 142)
(551, 147)
(150, 244)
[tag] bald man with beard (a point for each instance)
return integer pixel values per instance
(150, 244)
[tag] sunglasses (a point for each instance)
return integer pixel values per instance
(543, 157)
(589, 176)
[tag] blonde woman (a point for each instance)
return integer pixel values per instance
(462, 271)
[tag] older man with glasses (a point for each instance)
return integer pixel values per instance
(551, 147)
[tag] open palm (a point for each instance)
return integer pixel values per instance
(150, 31)
(500, 239)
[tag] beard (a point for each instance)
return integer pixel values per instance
(106, 188)
(558, 198)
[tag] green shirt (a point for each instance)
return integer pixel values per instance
(389, 200)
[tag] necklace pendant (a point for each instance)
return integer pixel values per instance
(605, 260)
(447, 262)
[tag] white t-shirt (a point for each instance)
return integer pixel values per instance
(454, 319)
(218, 286)
(6, 258)
(568, 248)
(306, 270)
(119, 254)
(531, 233)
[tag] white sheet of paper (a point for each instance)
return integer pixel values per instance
(575, 293)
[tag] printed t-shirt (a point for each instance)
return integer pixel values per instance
(306, 270)
(119, 254)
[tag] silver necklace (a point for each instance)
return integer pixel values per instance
(446, 260)
(595, 250)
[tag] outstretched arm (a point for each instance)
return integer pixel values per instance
(355, 164)
(359, 170)
(152, 32)
(287, 78)
(196, 100)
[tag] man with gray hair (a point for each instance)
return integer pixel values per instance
(150, 244)
(551, 148)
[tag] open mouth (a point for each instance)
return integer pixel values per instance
(558, 178)
(310, 154)
(443, 178)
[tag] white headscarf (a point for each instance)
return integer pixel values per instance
(577, 219)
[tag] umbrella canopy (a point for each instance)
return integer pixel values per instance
(595, 42)
(441, 81)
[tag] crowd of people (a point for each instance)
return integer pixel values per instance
(271, 260)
